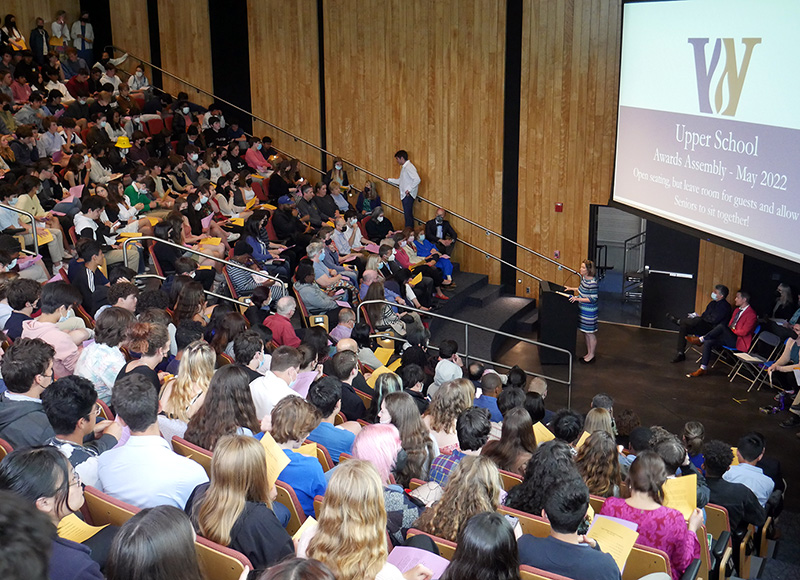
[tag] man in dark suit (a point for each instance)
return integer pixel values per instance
(737, 334)
(440, 232)
(717, 312)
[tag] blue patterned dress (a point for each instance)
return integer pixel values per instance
(588, 320)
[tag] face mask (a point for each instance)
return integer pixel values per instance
(204, 199)
(193, 156)
(322, 255)
(338, 166)
(379, 218)
(40, 26)
(328, 242)
(197, 206)
(123, 152)
(69, 315)
(103, 124)
(82, 101)
(402, 243)
(85, 158)
(394, 254)
(139, 74)
(113, 105)
(353, 221)
(185, 110)
(263, 365)
(13, 200)
(713, 296)
(258, 146)
(422, 237)
(12, 264)
(343, 229)
(439, 219)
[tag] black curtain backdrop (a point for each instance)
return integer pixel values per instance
(230, 58)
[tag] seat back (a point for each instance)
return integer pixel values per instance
(446, 548)
(258, 189)
(510, 480)
(304, 315)
(597, 503)
(362, 225)
(365, 398)
(156, 265)
(271, 230)
(318, 505)
(202, 456)
(288, 498)
(105, 412)
(220, 562)
(168, 122)
(643, 561)
(106, 510)
(323, 456)
(73, 235)
(534, 525)
(224, 359)
(81, 313)
(531, 573)
(5, 448)
(717, 520)
(154, 126)
(705, 555)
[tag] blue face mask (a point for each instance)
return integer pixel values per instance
(258, 146)
(713, 296)
(322, 255)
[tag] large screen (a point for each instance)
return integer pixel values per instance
(709, 118)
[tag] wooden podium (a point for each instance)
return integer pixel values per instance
(558, 323)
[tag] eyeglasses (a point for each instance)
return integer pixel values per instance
(77, 479)
(97, 409)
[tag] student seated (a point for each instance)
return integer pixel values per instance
(27, 368)
(23, 298)
(87, 277)
(145, 472)
(123, 295)
(293, 419)
(750, 451)
(72, 409)
(101, 361)
(326, 395)
(268, 390)
(565, 552)
(472, 428)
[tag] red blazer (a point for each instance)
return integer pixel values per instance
(745, 328)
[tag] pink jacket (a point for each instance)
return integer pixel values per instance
(66, 352)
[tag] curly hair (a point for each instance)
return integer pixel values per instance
(446, 405)
(550, 464)
(598, 463)
(473, 487)
(415, 436)
(196, 371)
(351, 535)
(227, 407)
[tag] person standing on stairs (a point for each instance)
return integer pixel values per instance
(587, 301)
(408, 183)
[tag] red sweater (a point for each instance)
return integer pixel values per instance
(282, 330)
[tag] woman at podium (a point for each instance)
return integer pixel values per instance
(587, 301)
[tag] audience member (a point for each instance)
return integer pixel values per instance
(750, 449)
(472, 428)
(419, 445)
(491, 387)
(25, 533)
(345, 365)
(152, 342)
(597, 462)
(487, 548)
(280, 323)
(274, 385)
(23, 298)
(102, 361)
(550, 464)
(440, 418)
(717, 312)
(517, 443)
(413, 378)
(326, 395)
(449, 366)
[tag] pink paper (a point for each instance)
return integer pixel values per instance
(343, 304)
(56, 278)
(349, 258)
(206, 221)
(68, 199)
(58, 213)
(406, 557)
(76, 191)
(372, 248)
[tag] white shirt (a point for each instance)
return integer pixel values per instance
(113, 80)
(66, 97)
(409, 180)
(145, 473)
(753, 478)
(60, 30)
(267, 391)
(88, 34)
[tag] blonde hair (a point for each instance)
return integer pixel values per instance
(238, 475)
(196, 370)
(446, 406)
(598, 419)
(473, 487)
(351, 535)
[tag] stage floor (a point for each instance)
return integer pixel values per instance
(633, 366)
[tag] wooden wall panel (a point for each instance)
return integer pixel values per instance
(284, 74)
(27, 11)
(569, 84)
(130, 31)
(426, 77)
(186, 46)
(717, 265)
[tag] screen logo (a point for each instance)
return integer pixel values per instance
(732, 79)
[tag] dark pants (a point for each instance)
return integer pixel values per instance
(434, 274)
(408, 211)
(718, 337)
(696, 326)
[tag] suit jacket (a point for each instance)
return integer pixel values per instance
(447, 231)
(745, 327)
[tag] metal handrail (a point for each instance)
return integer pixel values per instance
(351, 164)
(193, 251)
(207, 292)
(468, 325)
(33, 225)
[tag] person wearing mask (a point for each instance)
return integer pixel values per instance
(32, 113)
(59, 31)
(441, 233)
(138, 82)
(378, 226)
(255, 160)
(717, 311)
(275, 385)
(40, 42)
(337, 174)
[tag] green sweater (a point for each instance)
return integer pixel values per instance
(135, 197)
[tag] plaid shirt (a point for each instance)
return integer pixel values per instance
(443, 465)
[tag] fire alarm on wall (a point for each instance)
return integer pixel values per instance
(559, 207)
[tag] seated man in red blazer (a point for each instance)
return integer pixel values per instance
(737, 334)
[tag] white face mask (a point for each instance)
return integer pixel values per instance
(113, 105)
(193, 156)
(204, 199)
(185, 110)
(379, 218)
(139, 74)
(353, 221)
(394, 254)
(123, 152)
(402, 243)
(197, 206)
(85, 158)
(263, 366)
(422, 237)
(103, 124)
(82, 101)
(713, 296)
(322, 255)
(69, 315)
(13, 200)
(338, 166)
(12, 265)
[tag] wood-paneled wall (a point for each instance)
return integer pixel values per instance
(184, 29)
(130, 31)
(570, 74)
(426, 77)
(717, 265)
(27, 11)
(284, 74)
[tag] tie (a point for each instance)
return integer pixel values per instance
(736, 318)
(83, 34)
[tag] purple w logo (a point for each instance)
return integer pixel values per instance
(731, 76)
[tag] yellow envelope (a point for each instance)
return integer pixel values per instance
(375, 374)
(277, 460)
(416, 279)
(384, 354)
(542, 433)
(43, 236)
(211, 241)
(614, 538)
(251, 203)
(582, 440)
(310, 522)
(267, 206)
(680, 493)
(129, 235)
(237, 222)
(204, 267)
(735, 456)
(153, 221)
(75, 529)
(309, 450)
(395, 365)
